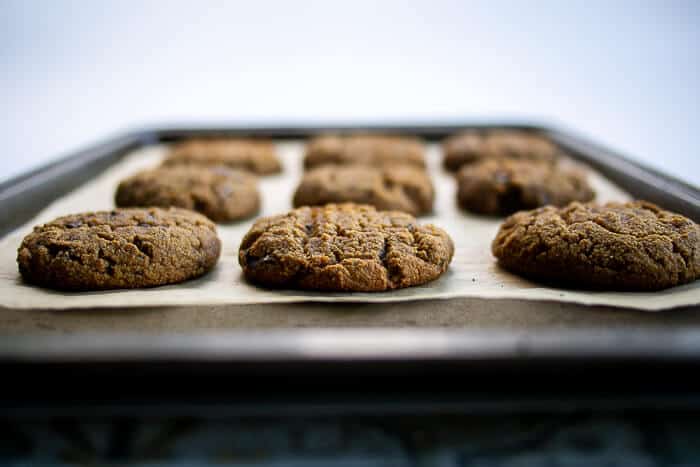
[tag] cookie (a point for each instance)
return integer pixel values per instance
(372, 150)
(120, 249)
(345, 248)
(504, 186)
(473, 146)
(257, 156)
(221, 194)
(403, 188)
(616, 246)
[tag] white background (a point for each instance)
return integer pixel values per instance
(622, 72)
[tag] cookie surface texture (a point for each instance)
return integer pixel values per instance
(345, 247)
(373, 150)
(403, 188)
(257, 156)
(502, 187)
(473, 146)
(124, 248)
(616, 246)
(221, 194)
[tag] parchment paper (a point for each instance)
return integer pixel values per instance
(473, 272)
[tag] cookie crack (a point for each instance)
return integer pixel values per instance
(383, 252)
(658, 261)
(55, 249)
(679, 251)
(422, 254)
(411, 228)
(111, 263)
(143, 246)
(307, 232)
(634, 235)
(599, 223)
(104, 236)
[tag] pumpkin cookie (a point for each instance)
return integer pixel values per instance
(257, 156)
(474, 146)
(221, 194)
(120, 249)
(615, 246)
(403, 188)
(344, 247)
(372, 150)
(504, 186)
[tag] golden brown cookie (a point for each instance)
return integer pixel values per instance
(504, 186)
(402, 188)
(120, 249)
(344, 247)
(372, 150)
(221, 194)
(257, 156)
(615, 246)
(477, 145)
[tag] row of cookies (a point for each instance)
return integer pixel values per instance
(347, 247)
(498, 172)
(350, 247)
(217, 177)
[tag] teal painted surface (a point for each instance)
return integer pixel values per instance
(576, 440)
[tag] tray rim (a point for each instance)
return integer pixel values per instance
(456, 372)
(356, 345)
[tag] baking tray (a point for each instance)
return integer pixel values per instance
(502, 355)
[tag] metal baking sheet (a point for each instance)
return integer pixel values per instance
(517, 354)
